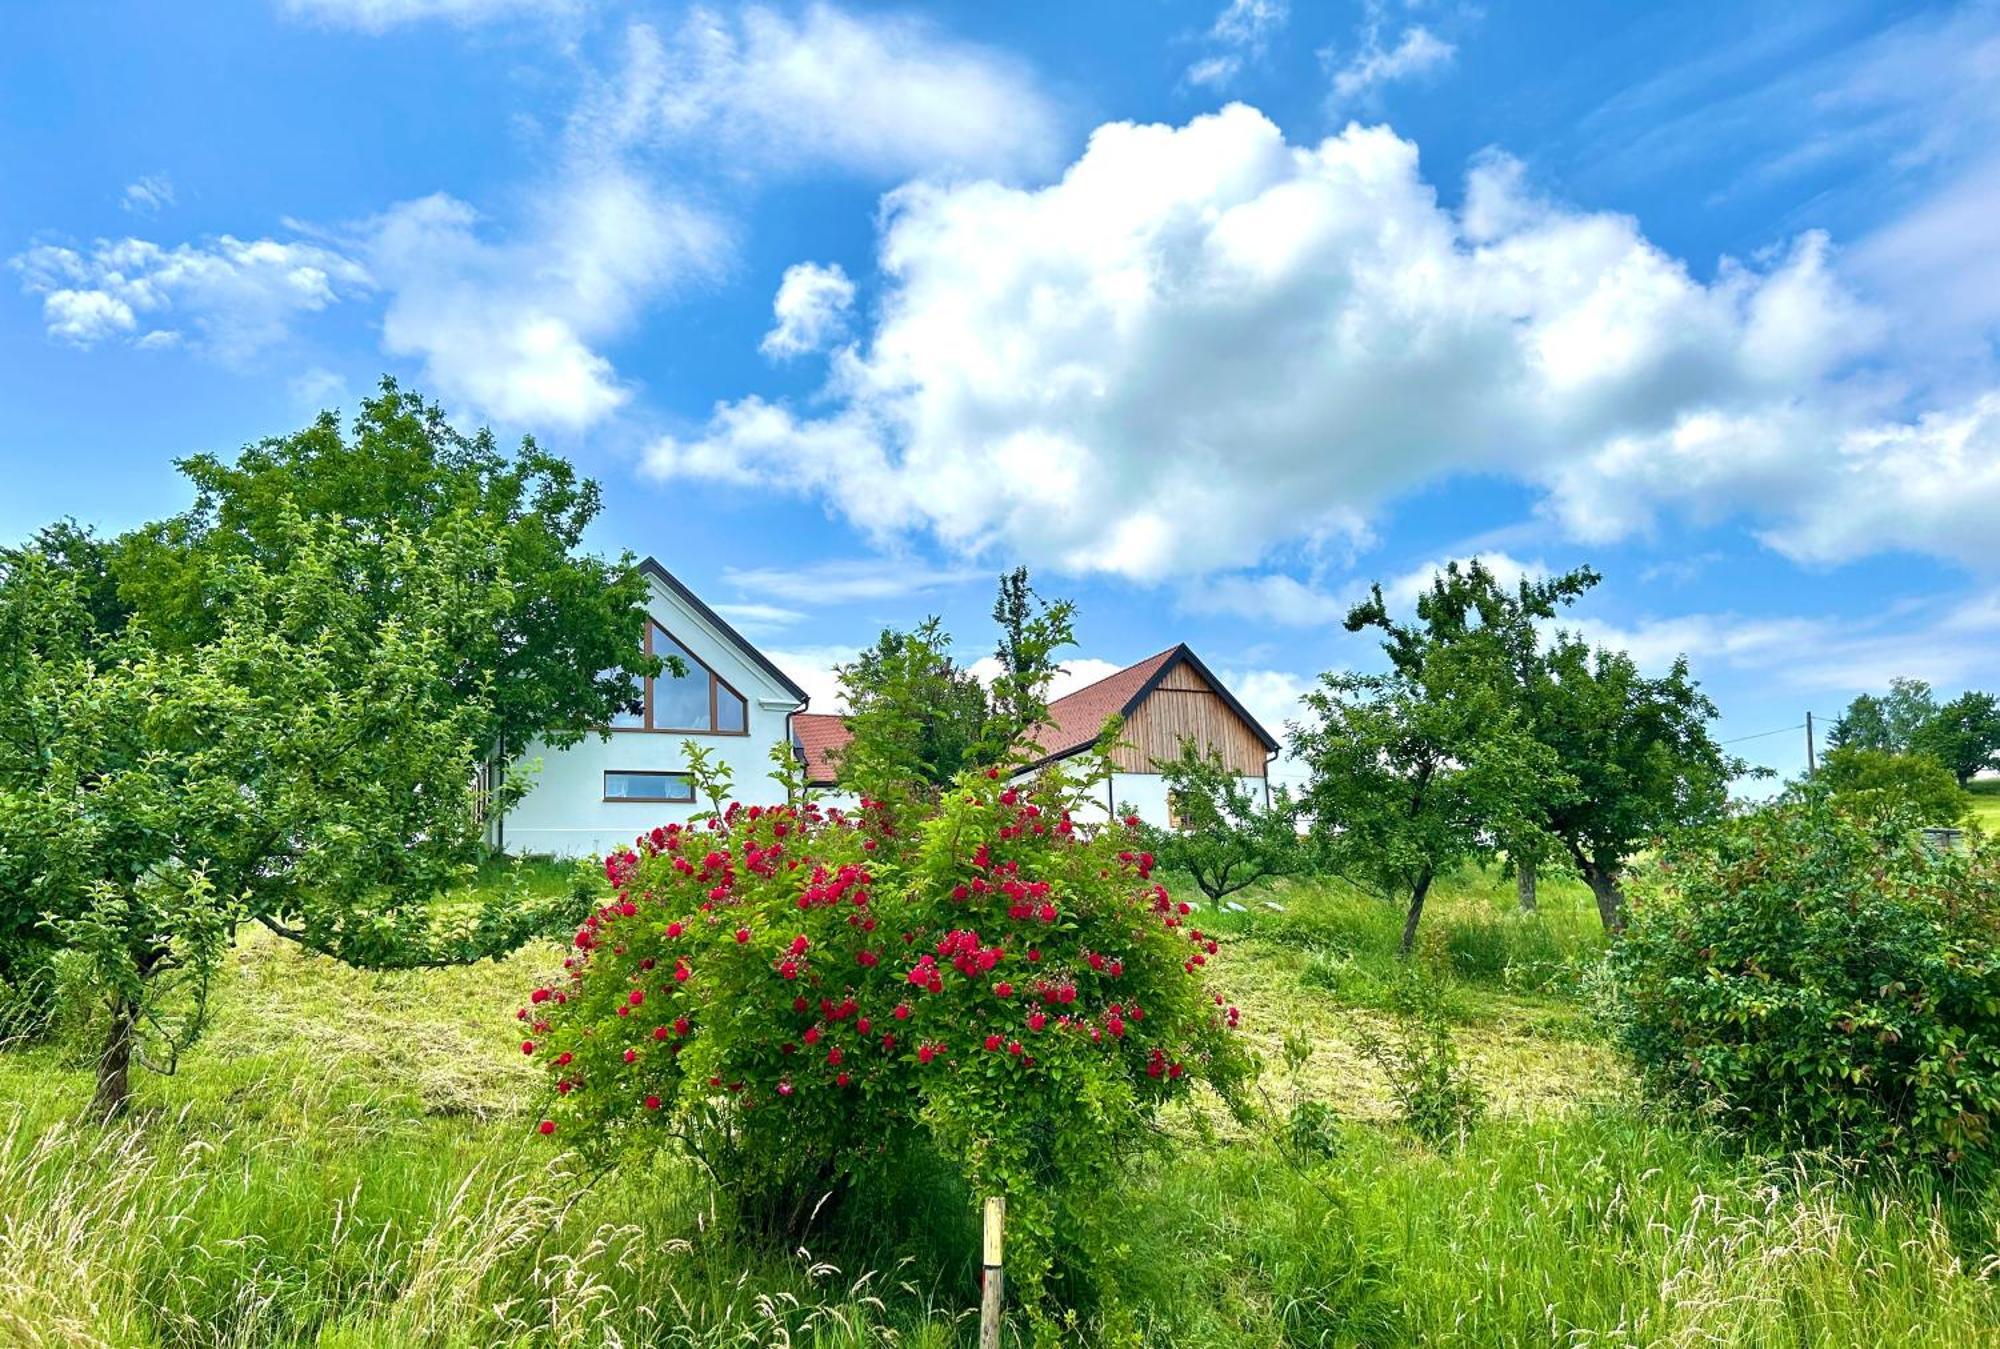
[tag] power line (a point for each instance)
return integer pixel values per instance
(1782, 730)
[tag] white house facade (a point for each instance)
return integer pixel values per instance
(604, 791)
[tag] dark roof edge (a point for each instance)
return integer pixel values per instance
(763, 662)
(1183, 652)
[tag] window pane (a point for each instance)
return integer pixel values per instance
(679, 704)
(633, 713)
(648, 787)
(730, 713)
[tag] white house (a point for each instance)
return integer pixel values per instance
(1165, 699)
(604, 791)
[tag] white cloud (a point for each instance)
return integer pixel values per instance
(878, 94)
(512, 327)
(812, 669)
(811, 309)
(847, 580)
(238, 295)
(1272, 597)
(1203, 343)
(1241, 32)
(1417, 52)
(753, 619)
(1402, 592)
(148, 195)
(378, 16)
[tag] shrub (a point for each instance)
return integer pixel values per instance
(1827, 978)
(805, 998)
(1436, 1099)
(1878, 783)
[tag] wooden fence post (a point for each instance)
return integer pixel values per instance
(990, 1293)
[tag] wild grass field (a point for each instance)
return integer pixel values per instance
(1986, 804)
(348, 1160)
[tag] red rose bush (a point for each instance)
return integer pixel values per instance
(801, 996)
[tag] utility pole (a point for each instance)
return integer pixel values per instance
(1811, 766)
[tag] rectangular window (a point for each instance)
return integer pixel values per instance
(675, 788)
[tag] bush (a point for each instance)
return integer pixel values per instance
(806, 999)
(1828, 979)
(1436, 1099)
(1878, 783)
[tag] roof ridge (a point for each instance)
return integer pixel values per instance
(1122, 670)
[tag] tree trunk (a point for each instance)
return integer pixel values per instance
(114, 1066)
(1417, 894)
(1610, 899)
(1524, 885)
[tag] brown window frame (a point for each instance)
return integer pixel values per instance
(687, 778)
(715, 684)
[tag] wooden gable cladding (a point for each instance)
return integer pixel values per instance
(1184, 706)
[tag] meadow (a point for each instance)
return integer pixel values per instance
(348, 1160)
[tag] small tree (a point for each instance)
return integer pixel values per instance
(308, 769)
(1637, 751)
(1032, 631)
(1963, 735)
(1881, 785)
(1226, 839)
(1435, 763)
(1408, 783)
(916, 717)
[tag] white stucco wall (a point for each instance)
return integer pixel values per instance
(565, 815)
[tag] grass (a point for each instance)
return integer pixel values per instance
(347, 1161)
(1986, 803)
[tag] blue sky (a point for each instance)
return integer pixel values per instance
(1211, 311)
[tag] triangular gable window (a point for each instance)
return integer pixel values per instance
(695, 702)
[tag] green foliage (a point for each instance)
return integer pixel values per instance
(1889, 723)
(1881, 783)
(1640, 754)
(1436, 1098)
(1963, 735)
(1825, 981)
(1226, 839)
(806, 1000)
(542, 639)
(917, 718)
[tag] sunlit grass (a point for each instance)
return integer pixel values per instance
(348, 1161)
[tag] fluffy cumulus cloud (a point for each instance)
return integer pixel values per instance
(880, 94)
(1203, 342)
(512, 327)
(233, 297)
(810, 308)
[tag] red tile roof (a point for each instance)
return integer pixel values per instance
(1076, 718)
(818, 735)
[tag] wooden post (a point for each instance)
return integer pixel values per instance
(990, 1290)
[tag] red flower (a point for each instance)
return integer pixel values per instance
(631, 1056)
(680, 1025)
(652, 1103)
(674, 929)
(562, 1059)
(636, 996)
(1037, 1019)
(841, 1080)
(902, 1011)
(547, 1126)
(527, 1046)
(742, 936)
(1004, 989)
(992, 1042)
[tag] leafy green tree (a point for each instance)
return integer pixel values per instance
(917, 717)
(1637, 754)
(544, 640)
(307, 767)
(1227, 839)
(1890, 722)
(1880, 784)
(86, 559)
(1963, 735)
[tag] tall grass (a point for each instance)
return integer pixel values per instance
(348, 1163)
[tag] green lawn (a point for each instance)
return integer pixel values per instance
(1986, 804)
(348, 1161)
